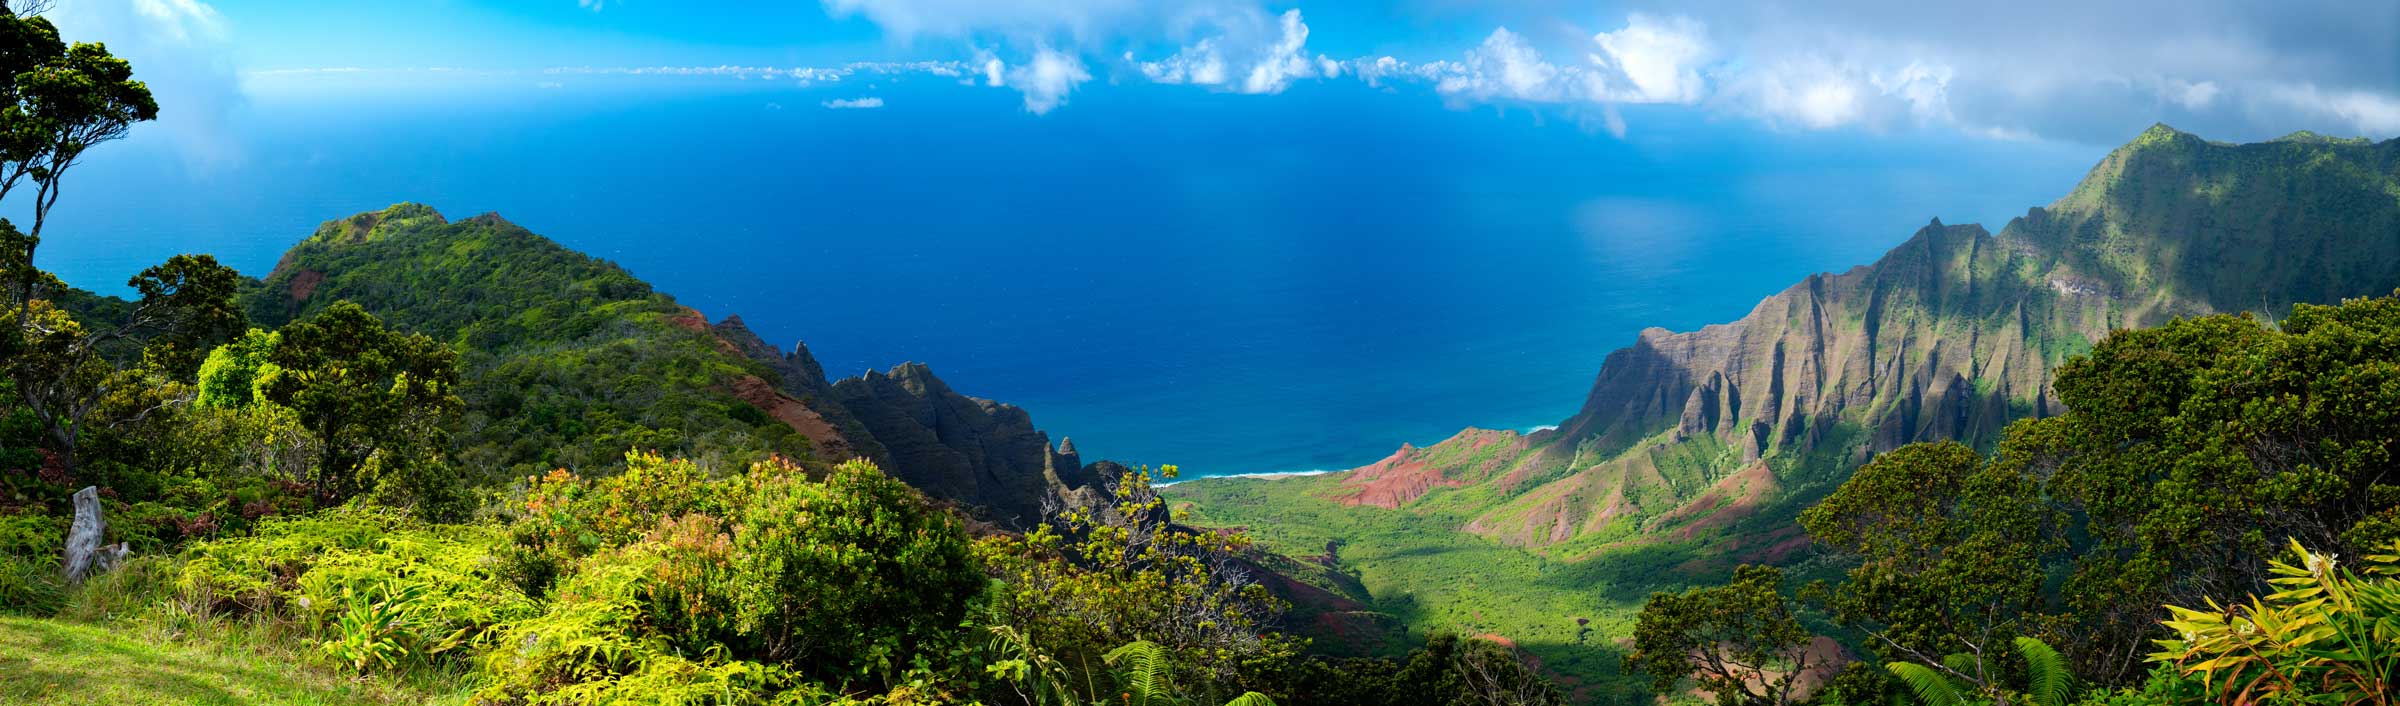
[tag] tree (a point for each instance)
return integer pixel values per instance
(1950, 553)
(377, 399)
(231, 376)
(1094, 578)
(60, 102)
(2193, 452)
(1740, 641)
(186, 304)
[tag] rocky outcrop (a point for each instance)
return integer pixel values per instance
(975, 451)
(801, 382)
(1951, 335)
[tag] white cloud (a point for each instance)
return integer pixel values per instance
(1268, 57)
(2360, 110)
(854, 103)
(1048, 79)
(1506, 67)
(1660, 56)
(2192, 96)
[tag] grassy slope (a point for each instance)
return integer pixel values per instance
(61, 663)
(1433, 578)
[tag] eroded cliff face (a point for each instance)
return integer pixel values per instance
(1951, 335)
(977, 451)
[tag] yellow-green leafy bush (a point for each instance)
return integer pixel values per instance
(855, 582)
(378, 589)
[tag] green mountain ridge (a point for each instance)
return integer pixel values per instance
(568, 361)
(1951, 335)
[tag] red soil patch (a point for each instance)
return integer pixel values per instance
(764, 396)
(1498, 639)
(305, 283)
(1393, 481)
(1409, 473)
(1731, 499)
(1780, 546)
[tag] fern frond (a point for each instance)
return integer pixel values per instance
(1932, 687)
(1142, 666)
(1251, 698)
(2048, 671)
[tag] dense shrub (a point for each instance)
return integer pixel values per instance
(563, 518)
(855, 581)
(358, 576)
(1091, 579)
(30, 547)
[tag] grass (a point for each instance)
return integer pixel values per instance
(65, 663)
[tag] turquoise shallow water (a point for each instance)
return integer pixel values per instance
(1228, 283)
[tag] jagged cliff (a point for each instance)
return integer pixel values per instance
(1951, 335)
(953, 445)
(975, 451)
(569, 361)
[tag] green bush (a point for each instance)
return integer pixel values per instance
(563, 518)
(30, 548)
(855, 582)
(379, 589)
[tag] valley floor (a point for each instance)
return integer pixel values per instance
(64, 663)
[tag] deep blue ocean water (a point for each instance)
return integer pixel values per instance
(1229, 283)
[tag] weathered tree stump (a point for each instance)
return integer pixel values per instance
(85, 556)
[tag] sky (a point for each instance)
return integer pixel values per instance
(2084, 71)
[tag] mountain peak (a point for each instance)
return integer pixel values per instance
(375, 225)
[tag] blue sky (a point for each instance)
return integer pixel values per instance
(2085, 71)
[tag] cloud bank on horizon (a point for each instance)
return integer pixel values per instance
(2046, 68)
(2081, 70)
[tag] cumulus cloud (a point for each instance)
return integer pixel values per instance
(1048, 79)
(1249, 55)
(868, 102)
(2076, 69)
(1660, 57)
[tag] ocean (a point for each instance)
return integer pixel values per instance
(1233, 284)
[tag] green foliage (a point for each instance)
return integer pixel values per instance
(1145, 675)
(376, 400)
(1958, 681)
(1741, 641)
(1091, 579)
(376, 633)
(30, 546)
(2193, 451)
(855, 580)
(565, 360)
(234, 374)
(375, 589)
(563, 518)
(2326, 636)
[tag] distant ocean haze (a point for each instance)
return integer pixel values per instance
(1232, 284)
